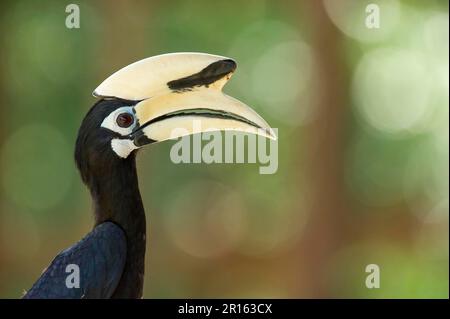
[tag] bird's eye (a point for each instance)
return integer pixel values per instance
(125, 119)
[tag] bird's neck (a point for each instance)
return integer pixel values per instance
(115, 192)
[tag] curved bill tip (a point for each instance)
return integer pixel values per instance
(271, 134)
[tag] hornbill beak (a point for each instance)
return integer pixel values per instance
(180, 94)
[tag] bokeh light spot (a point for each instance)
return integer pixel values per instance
(281, 78)
(205, 226)
(274, 71)
(350, 15)
(391, 89)
(37, 167)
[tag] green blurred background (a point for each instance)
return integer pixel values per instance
(363, 125)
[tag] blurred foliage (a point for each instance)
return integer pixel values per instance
(378, 196)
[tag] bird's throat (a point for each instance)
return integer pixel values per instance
(115, 192)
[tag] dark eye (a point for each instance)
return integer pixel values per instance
(125, 119)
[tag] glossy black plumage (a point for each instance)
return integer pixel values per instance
(118, 209)
(100, 256)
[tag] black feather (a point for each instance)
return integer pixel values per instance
(118, 208)
(100, 256)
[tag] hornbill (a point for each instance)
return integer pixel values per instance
(149, 101)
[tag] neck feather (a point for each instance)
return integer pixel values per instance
(115, 192)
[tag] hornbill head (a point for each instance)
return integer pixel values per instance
(160, 98)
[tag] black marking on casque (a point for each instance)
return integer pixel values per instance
(212, 73)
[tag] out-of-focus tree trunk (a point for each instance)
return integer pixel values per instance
(3, 11)
(324, 231)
